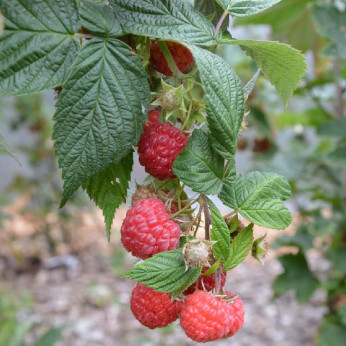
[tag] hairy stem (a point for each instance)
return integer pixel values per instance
(207, 220)
(218, 280)
(218, 26)
(187, 117)
(170, 61)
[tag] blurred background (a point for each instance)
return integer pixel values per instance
(59, 276)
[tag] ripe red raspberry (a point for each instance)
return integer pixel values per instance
(238, 315)
(148, 230)
(181, 55)
(206, 282)
(158, 147)
(205, 317)
(153, 118)
(154, 309)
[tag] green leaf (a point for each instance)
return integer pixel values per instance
(38, 46)
(165, 272)
(4, 149)
(258, 197)
(166, 19)
(332, 332)
(99, 19)
(2, 23)
(251, 83)
(338, 156)
(199, 166)
(224, 99)
(338, 259)
(296, 276)
(240, 247)
(100, 111)
(219, 233)
(213, 11)
(302, 239)
(331, 23)
(21, 330)
(283, 65)
(291, 22)
(333, 128)
(212, 269)
(50, 338)
(241, 8)
(108, 189)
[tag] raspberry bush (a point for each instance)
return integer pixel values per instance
(111, 65)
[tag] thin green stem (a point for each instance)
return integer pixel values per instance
(228, 162)
(181, 189)
(197, 218)
(207, 220)
(188, 114)
(80, 35)
(218, 26)
(231, 213)
(170, 61)
(187, 206)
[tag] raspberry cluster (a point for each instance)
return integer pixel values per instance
(148, 230)
(203, 316)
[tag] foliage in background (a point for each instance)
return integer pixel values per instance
(307, 145)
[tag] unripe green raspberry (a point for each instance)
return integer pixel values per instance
(196, 253)
(143, 192)
(169, 100)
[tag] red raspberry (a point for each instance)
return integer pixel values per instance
(148, 230)
(238, 315)
(205, 317)
(206, 282)
(153, 118)
(158, 147)
(181, 55)
(154, 309)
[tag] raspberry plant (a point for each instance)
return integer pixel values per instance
(104, 62)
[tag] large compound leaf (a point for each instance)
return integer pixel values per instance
(224, 99)
(100, 111)
(241, 8)
(199, 166)
(108, 189)
(37, 47)
(240, 247)
(165, 272)
(99, 18)
(166, 19)
(258, 197)
(283, 65)
(219, 233)
(297, 276)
